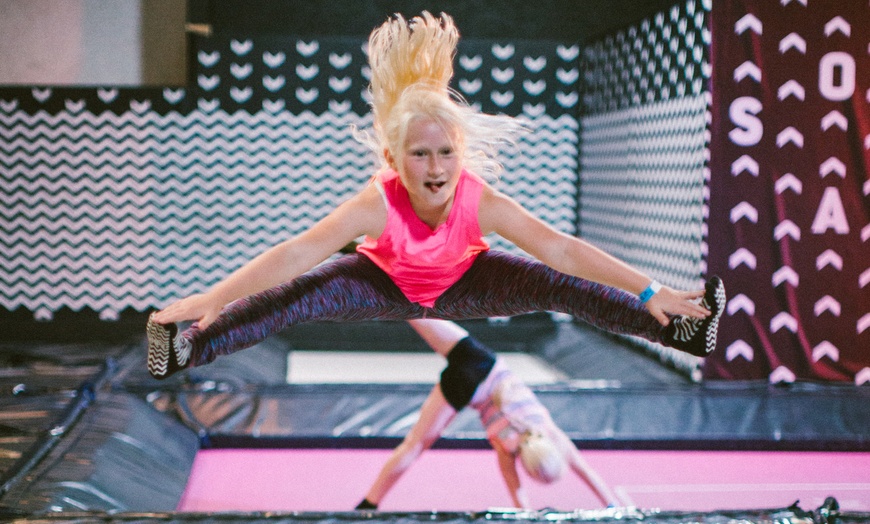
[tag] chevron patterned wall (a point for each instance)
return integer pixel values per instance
(644, 149)
(130, 198)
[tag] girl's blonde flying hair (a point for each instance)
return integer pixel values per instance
(411, 67)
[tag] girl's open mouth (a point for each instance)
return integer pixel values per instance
(434, 186)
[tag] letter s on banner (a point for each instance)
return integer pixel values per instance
(749, 127)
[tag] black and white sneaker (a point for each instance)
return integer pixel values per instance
(697, 336)
(167, 352)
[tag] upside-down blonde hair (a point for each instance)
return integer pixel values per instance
(538, 453)
(411, 65)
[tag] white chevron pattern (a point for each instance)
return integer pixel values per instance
(93, 202)
(644, 150)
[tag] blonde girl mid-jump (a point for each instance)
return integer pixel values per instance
(424, 217)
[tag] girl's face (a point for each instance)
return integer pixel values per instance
(430, 166)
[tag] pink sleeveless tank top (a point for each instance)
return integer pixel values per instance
(421, 261)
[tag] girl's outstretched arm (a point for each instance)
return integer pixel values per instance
(582, 469)
(571, 255)
(363, 214)
(435, 415)
(507, 464)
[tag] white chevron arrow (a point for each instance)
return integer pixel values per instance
(783, 320)
(790, 134)
(273, 106)
(503, 52)
(788, 181)
(273, 83)
(744, 163)
(864, 279)
(241, 95)
(470, 87)
(863, 324)
(747, 69)
(866, 188)
(744, 210)
(307, 49)
(41, 95)
(208, 82)
(107, 95)
(826, 349)
(862, 377)
(741, 303)
(786, 228)
(785, 274)
(273, 60)
(241, 48)
(781, 374)
(534, 110)
(829, 257)
(739, 348)
(306, 96)
(835, 118)
(567, 76)
(340, 61)
(568, 53)
(502, 99)
(791, 88)
(173, 96)
(140, 107)
(241, 71)
(832, 165)
(793, 40)
(838, 24)
(748, 21)
(207, 105)
(208, 59)
(786, 2)
(865, 233)
(470, 63)
(534, 88)
(827, 303)
(502, 76)
(569, 99)
(535, 65)
(340, 85)
(307, 72)
(742, 256)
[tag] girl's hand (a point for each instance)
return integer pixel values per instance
(199, 307)
(669, 301)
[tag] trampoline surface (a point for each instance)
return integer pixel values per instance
(468, 480)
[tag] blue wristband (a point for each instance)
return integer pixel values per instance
(650, 290)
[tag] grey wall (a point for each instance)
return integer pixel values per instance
(92, 42)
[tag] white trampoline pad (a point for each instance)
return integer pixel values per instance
(350, 367)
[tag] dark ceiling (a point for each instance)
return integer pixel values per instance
(559, 20)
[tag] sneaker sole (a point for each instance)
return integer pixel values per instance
(160, 349)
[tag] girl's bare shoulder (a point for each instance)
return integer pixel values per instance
(495, 208)
(369, 209)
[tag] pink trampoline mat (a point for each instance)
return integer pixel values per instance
(468, 480)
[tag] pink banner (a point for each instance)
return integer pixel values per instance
(789, 227)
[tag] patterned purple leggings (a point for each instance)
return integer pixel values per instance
(353, 288)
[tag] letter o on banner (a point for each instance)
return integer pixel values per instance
(837, 76)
